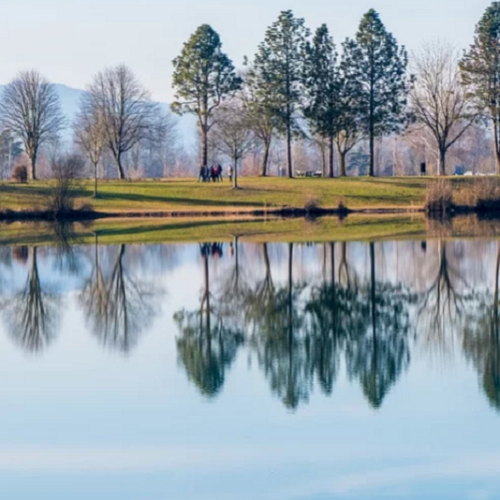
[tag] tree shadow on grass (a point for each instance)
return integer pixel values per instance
(174, 200)
(129, 231)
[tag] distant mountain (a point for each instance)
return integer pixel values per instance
(70, 100)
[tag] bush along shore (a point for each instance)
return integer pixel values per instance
(480, 196)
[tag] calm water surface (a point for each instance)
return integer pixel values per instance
(251, 371)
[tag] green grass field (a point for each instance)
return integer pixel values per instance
(110, 231)
(183, 195)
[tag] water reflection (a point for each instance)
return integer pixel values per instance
(208, 343)
(118, 305)
(303, 314)
(33, 313)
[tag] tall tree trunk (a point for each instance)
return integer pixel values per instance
(372, 133)
(289, 149)
(95, 180)
(371, 171)
(332, 157)
(265, 158)
(442, 161)
(204, 146)
(32, 169)
(496, 142)
(235, 176)
(343, 170)
(119, 167)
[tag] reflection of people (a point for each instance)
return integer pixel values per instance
(214, 250)
(231, 250)
(217, 250)
(230, 173)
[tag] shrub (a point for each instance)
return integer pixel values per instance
(63, 191)
(312, 204)
(439, 197)
(487, 194)
(20, 174)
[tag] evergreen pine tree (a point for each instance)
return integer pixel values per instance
(480, 68)
(279, 67)
(322, 88)
(376, 61)
(203, 77)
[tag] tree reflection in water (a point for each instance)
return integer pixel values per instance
(481, 342)
(119, 305)
(207, 346)
(301, 324)
(278, 340)
(379, 352)
(33, 314)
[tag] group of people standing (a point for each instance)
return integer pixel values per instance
(214, 173)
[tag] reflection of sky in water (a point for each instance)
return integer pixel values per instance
(82, 421)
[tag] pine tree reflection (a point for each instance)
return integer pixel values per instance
(279, 341)
(378, 352)
(481, 341)
(331, 312)
(207, 347)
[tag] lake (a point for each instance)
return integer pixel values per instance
(343, 370)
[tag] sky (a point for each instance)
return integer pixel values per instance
(71, 40)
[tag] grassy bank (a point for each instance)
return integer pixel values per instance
(181, 196)
(355, 227)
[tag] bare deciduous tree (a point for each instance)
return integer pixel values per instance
(232, 135)
(437, 100)
(261, 120)
(346, 140)
(89, 133)
(67, 171)
(31, 110)
(126, 108)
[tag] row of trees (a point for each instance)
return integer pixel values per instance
(299, 85)
(116, 115)
(292, 77)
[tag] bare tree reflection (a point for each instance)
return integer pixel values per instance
(33, 314)
(119, 305)
(443, 302)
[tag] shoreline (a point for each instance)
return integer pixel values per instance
(85, 215)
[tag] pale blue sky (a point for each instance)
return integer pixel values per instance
(70, 40)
